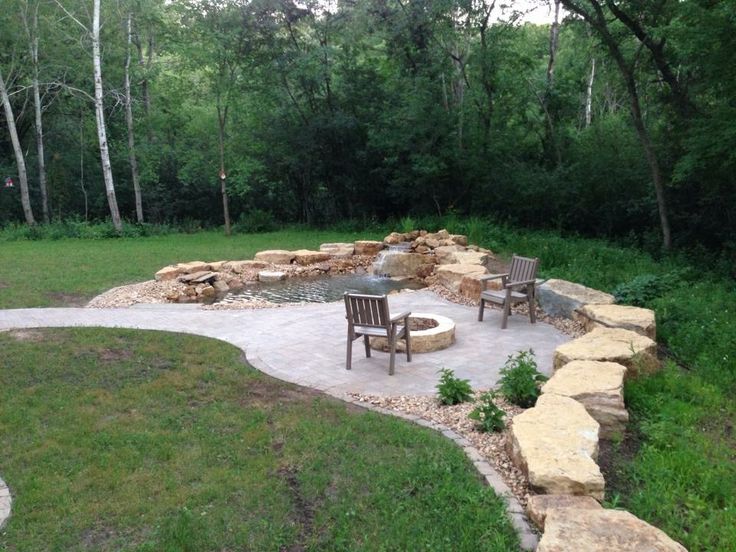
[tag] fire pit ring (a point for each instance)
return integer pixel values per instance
(435, 338)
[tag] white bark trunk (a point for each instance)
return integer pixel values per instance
(589, 95)
(100, 116)
(129, 122)
(19, 158)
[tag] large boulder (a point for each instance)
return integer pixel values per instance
(459, 239)
(471, 286)
(636, 319)
(538, 506)
(395, 237)
(556, 445)
(637, 352)
(170, 272)
(239, 267)
(275, 256)
(306, 257)
(338, 249)
(399, 264)
(563, 298)
(599, 387)
(446, 254)
(451, 275)
(271, 276)
(472, 257)
(599, 530)
(368, 247)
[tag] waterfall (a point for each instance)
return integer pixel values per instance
(383, 258)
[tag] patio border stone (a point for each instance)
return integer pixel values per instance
(6, 501)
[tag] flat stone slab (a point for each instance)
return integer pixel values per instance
(451, 275)
(275, 256)
(198, 277)
(563, 298)
(6, 502)
(271, 276)
(368, 247)
(241, 266)
(338, 249)
(637, 352)
(599, 387)
(538, 506)
(556, 445)
(168, 273)
(592, 530)
(636, 319)
(306, 344)
(306, 257)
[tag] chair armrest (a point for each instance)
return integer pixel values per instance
(492, 277)
(397, 317)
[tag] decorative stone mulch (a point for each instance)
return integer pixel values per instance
(492, 446)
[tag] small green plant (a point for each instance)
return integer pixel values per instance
(407, 224)
(645, 287)
(487, 414)
(453, 390)
(520, 379)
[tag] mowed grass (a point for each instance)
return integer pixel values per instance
(71, 271)
(148, 441)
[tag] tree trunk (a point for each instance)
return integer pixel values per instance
(100, 117)
(589, 94)
(20, 160)
(222, 121)
(129, 122)
(554, 35)
(32, 33)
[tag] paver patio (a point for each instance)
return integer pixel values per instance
(305, 344)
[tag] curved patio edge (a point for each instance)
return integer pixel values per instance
(6, 501)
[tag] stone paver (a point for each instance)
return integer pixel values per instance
(305, 344)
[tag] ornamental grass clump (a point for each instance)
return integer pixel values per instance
(453, 390)
(487, 414)
(520, 380)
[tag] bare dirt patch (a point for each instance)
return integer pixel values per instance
(31, 335)
(115, 355)
(62, 299)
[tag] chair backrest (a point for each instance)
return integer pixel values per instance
(522, 269)
(367, 310)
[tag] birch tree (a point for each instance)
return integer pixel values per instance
(94, 34)
(18, 151)
(129, 123)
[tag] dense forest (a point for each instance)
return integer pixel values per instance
(615, 119)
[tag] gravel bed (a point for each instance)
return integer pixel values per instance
(149, 291)
(492, 446)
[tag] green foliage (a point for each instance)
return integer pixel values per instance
(78, 229)
(453, 390)
(645, 287)
(255, 222)
(520, 379)
(487, 414)
(407, 224)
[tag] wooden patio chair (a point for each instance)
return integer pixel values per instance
(368, 316)
(517, 286)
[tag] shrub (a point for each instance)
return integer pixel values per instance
(453, 390)
(520, 379)
(255, 222)
(646, 287)
(487, 414)
(407, 224)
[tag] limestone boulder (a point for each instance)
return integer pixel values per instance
(396, 237)
(446, 254)
(216, 265)
(472, 257)
(439, 235)
(636, 352)
(275, 256)
(556, 445)
(338, 249)
(306, 257)
(471, 286)
(168, 273)
(399, 264)
(459, 239)
(538, 506)
(271, 276)
(636, 319)
(221, 286)
(239, 267)
(599, 387)
(193, 266)
(600, 530)
(451, 275)
(432, 243)
(563, 298)
(368, 247)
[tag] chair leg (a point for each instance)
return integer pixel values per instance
(367, 343)
(506, 310)
(392, 349)
(348, 362)
(480, 310)
(407, 338)
(532, 308)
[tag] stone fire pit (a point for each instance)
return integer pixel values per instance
(433, 333)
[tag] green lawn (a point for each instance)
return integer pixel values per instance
(72, 271)
(148, 441)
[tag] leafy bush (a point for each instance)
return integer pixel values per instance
(520, 379)
(487, 414)
(407, 224)
(453, 390)
(255, 222)
(646, 287)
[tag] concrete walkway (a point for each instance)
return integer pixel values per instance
(306, 344)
